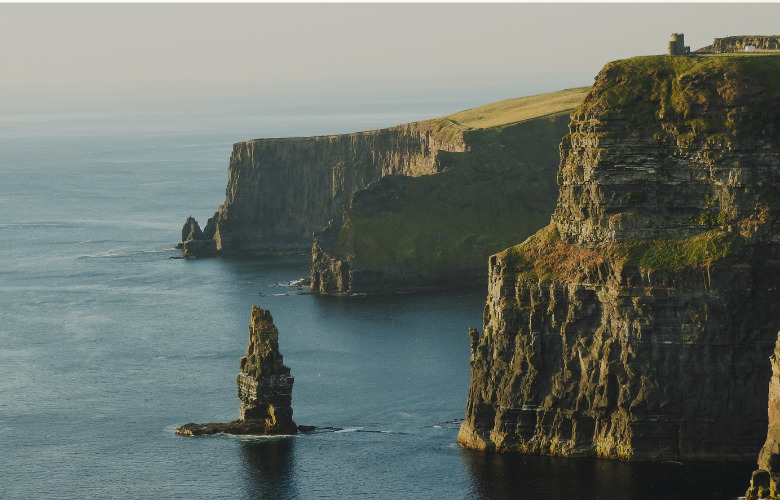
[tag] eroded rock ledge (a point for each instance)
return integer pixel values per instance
(264, 387)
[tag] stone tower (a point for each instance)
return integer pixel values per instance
(677, 45)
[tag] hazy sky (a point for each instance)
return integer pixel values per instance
(247, 58)
(71, 43)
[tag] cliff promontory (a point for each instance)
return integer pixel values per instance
(280, 191)
(436, 231)
(637, 325)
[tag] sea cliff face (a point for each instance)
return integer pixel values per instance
(280, 191)
(436, 231)
(637, 325)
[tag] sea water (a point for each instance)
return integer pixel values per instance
(108, 342)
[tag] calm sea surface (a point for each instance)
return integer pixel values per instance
(107, 343)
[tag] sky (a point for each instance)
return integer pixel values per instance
(266, 48)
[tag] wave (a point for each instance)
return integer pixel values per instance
(111, 254)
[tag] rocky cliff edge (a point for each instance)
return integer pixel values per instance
(637, 325)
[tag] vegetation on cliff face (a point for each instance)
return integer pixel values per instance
(669, 254)
(702, 96)
(499, 191)
(544, 256)
(482, 202)
(630, 327)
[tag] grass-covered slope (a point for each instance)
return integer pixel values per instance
(696, 95)
(438, 230)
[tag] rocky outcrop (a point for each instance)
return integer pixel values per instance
(765, 482)
(436, 231)
(738, 43)
(635, 326)
(264, 386)
(280, 191)
(197, 243)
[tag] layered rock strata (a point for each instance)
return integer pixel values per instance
(264, 386)
(765, 482)
(280, 191)
(636, 325)
(431, 232)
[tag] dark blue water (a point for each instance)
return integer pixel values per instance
(107, 344)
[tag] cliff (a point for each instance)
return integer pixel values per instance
(264, 387)
(738, 43)
(436, 231)
(637, 324)
(280, 191)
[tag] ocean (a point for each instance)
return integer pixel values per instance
(108, 342)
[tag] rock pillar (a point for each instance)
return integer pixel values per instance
(264, 382)
(766, 479)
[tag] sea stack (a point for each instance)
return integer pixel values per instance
(197, 243)
(765, 480)
(264, 382)
(264, 387)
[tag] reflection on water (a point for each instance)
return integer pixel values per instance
(514, 476)
(268, 467)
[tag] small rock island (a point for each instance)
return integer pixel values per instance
(264, 387)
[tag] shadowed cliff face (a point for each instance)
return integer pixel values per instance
(436, 231)
(282, 190)
(637, 325)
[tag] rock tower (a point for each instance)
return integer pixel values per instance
(264, 382)
(264, 387)
(765, 480)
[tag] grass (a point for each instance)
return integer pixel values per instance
(690, 94)
(500, 191)
(438, 223)
(519, 109)
(451, 128)
(545, 257)
(675, 254)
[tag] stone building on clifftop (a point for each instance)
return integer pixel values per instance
(677, 45)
